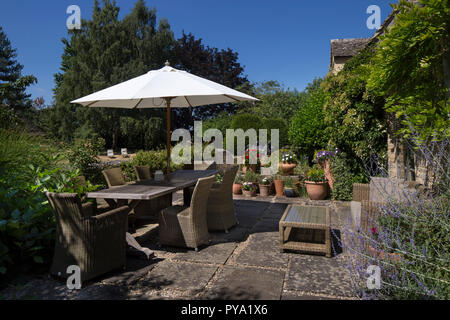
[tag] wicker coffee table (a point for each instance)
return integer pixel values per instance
(306, 228)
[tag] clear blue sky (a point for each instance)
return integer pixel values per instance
(284, 40)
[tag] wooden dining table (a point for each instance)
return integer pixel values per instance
(132, 194)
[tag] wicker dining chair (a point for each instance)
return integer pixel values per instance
(187, 192)
(221, 214)
(182, 226)
(114, 177)
(92, 241)
(142, 173)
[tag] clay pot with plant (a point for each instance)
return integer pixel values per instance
(288, 162)
(265, 187)
(279, 185)
(316, 184)
(323, 158)
(249, 189)
(237, 185)
(289, 187)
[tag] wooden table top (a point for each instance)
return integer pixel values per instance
(150, 189)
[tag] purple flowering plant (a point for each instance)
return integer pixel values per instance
(323, 155)
(407, 239)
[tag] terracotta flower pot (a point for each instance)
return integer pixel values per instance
(317, 190)
(265, 190)
(279, 187)
(286, 168)
(237, 188)
(249, 193)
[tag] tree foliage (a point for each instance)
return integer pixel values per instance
(409, 68)
(354, 115)
(108, 50)
(307, 128)
(14, 101)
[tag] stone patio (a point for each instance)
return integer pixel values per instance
(243, 264)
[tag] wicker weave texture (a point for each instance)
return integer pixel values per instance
(142, 173)
(183, 226)
(95, 243)
(221, 214)
(361, 192)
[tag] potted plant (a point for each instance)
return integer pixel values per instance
(288, 162)
(279, 185)
(249, 189)
(316, 184)
(265, 187)
(252, 177)
(265, 166)
(289, 187)
(323, 158)
(237, 185)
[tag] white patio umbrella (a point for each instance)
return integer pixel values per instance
(166, 87)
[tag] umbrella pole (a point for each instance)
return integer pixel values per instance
(168, 134)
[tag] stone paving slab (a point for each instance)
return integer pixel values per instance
(262, 258)
(215, 253)
(188, 277)
(236, 234)
(265, 225)
(290, 296)
(243, 264)
(318, 274)
(246, 283)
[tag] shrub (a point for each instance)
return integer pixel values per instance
(276, 123)
(28, 168)
(307, 129)
(246, 121)
(27, 227)
(155, 160)
(83, 155)
(345, 172)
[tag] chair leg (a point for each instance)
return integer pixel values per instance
(196, 249)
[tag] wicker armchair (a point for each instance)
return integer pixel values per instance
(220, 203)
(142, 173)
(182, 226)
(95, 243)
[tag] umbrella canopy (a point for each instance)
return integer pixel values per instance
(166, 87)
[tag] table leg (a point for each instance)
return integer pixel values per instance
(328, 242)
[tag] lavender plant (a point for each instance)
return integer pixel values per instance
(408, 238)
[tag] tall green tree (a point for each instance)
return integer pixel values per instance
(107, 51)
(221, 66)
(14, 101)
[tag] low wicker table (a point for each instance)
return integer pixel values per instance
(306, 228)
